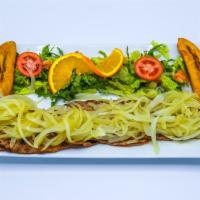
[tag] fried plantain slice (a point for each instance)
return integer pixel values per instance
(7, 64)
(191, 56)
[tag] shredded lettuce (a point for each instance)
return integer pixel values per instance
(159, 50)
(168, 83)
(135, 55)
(51, 53)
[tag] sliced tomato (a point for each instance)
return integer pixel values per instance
(29, 64)
(148, 68)
(47, 64)
(181, 77)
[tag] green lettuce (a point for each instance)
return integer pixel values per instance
(168, 83)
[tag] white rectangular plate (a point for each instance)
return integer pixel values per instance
(188, 149)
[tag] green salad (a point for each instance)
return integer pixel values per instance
(123, 83)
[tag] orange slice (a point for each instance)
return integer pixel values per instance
(110, 65)
(61, 70)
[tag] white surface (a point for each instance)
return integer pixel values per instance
(89, 21)
(190, 149)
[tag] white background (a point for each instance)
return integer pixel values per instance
(87, 22)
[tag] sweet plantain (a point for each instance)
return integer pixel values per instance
(7, 64)
(191, 56)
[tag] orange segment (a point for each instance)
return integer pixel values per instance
(110, 65)
(61, 70)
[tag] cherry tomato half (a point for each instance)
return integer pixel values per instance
(29, 64)
(181, 77)
(47, 64)
(148, 68)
